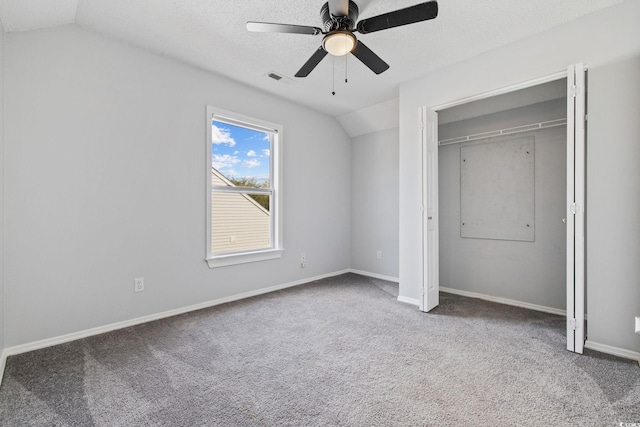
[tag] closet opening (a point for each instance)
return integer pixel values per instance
(503, 191)
(502, 186)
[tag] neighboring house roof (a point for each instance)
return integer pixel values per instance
(238, 222)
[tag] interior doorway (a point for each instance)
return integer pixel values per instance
(503, 193)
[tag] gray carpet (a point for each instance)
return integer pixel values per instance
(339, 351)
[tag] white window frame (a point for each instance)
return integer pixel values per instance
(276, 131)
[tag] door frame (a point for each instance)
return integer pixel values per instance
(575, 206)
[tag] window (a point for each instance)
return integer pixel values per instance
(244, 172)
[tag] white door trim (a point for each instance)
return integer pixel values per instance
(507, 89)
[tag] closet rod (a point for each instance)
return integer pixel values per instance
(503, 132)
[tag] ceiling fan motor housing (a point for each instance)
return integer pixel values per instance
(332, 23)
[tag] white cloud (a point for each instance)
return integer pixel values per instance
(221, 136)
(251, 153)
(266, 152)
(221, 161)
(251, 163)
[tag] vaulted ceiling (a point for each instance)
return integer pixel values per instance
(212, 34)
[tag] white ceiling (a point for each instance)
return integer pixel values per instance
(211, 34)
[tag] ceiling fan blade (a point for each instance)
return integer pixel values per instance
(370, 59)
(412, 14)
(339, 7)
(312, 62)
(268, 27)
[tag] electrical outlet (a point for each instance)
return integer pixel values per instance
(138, 284)
(303, 260)
(379, 254)
(638, 325)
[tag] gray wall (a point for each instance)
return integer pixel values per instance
(374, 202)
(2, 226)
(613, 203)
(531, 272)
(105, 181)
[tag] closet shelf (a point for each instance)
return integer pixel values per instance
(503, 132)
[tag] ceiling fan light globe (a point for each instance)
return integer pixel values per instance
(339, 43)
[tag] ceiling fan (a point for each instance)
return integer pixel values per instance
(339, 18)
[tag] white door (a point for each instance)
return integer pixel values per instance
(576, 150)
(430, 244)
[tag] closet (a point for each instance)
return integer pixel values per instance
(502, 190)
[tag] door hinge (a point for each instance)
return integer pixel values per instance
(573, 91)
(572, 324)
(573, 208)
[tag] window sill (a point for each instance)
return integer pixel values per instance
(233, 259)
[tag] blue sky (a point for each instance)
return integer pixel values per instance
(239, 152)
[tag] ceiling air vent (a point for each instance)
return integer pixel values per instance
(279, 78)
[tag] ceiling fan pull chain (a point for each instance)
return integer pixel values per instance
(333, 77)
(346, 69)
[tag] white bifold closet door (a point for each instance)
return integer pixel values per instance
(575, 220)
(430, 297)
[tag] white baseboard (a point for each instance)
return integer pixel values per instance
(37, 345)
(506, 301)
(405, 300)
(615, 351)
(375, 275)
(408, 300)
(3, 363)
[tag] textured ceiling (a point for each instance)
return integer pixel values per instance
(211, 34)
